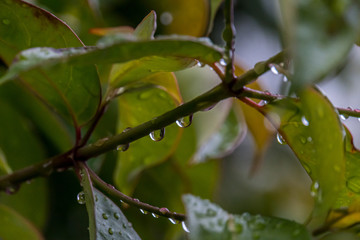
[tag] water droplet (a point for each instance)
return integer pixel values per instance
(105, 216)
(200, 64)
(166, 18)
(81, 198)
(143, 211)
(164, 210)
(280, 139)
(309, 139)
(123, 147)
(185, 121)
(157, 135)
(304, 121)
(353, 184)
(285, 79)
(184, 227)
(155, 215)
(344, 116)
(273, 69)
(116, 216)
(100, 142)
(306, 167)
(173, 221)
(111, 232)
(222, 62)
(47, 168)
(314, 188)
(6, 21)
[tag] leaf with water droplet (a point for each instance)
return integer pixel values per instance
(223, 225)
(144, 152)
(318, 143)
(105, 217)
(81, 197)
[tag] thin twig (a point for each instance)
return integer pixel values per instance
(112, 191)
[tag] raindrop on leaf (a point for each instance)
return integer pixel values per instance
(81, 198)
(304, 121)
(280, 139)
(111, 232)
(116, 216)
(314, 189)
(105, 216)
(353, 184)
(157, 135)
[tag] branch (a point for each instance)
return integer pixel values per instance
(111, 191)
(229, 37)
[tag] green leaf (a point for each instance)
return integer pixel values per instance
(136, 107)
(223, 138)
(114, 50)
(321, 36)
(106, 219)
(14, 226)
(72, 91)
(146, 29)
(312, 129)
(138, 70)
(208, 221)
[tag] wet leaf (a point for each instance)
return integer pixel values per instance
(106, 219)
(15, 226)
(136, 107)
(72, 91)
(323, 32)
(312, 129)
(208, 221)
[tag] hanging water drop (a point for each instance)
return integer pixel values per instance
(173, 221)
(344, 116)
(273, 69)
(81, 198)
(200, 64)
(12, 189)
(222, 62)
(155, 215)
(285, 79)
(280, 139)
(143, 211)
(304, 121)
(184, 227)
(123, 147)
(157, 135)
(185, 121)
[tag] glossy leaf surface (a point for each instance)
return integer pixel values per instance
(208, 221)
(312, 129)
(105, 218)
(14, 226)
(72, 91)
